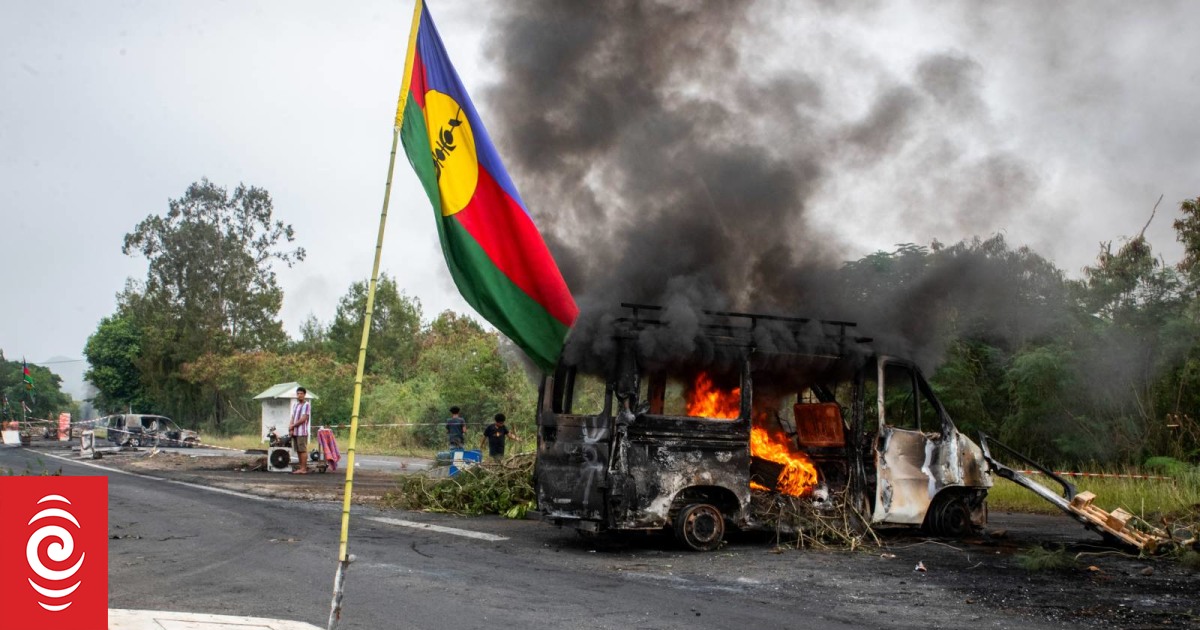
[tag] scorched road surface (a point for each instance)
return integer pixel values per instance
(184, 548)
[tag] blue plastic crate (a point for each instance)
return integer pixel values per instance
(461, 459)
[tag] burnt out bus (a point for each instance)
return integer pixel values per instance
(694, 431)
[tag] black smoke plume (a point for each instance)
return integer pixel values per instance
(668, 163)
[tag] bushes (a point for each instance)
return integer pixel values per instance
(505, 489)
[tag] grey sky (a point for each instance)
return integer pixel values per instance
(1082, 113)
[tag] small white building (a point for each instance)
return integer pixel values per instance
(277, 404)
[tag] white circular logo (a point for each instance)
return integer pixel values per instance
(59, 551)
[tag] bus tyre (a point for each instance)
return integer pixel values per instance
(700, 527)
(950, 517)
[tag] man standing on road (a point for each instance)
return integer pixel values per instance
(495, 435)
(301, 413)
(456, 429)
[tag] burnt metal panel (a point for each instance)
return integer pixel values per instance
(904, 488)
(660, 457)
(572, 465)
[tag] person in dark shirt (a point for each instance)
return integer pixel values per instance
(456, 429)
(495, 435)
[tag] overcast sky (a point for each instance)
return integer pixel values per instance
(1084, 112)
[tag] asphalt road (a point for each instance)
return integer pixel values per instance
(184, 548)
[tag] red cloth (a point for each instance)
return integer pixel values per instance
(329, 447)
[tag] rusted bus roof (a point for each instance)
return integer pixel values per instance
(821, 336)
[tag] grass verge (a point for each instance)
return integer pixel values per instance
(1149, 499)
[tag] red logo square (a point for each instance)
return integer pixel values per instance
(54, 552)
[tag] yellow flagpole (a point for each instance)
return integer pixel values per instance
(344, 559)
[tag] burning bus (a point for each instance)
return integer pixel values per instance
(646, 435)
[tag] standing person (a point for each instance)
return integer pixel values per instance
(298, 429)
(496, 434)
(456, 429)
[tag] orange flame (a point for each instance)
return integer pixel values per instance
(799, 475)
(704, 400)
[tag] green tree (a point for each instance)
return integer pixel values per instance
(210, 288)
(232, 380)
(463, 365)
(1046, 421)
(314, 337)
(1131, 287)
(971, 385)
(45, 400)
(1187, 231)
(211, 259)
(112, 352)
(395, 329)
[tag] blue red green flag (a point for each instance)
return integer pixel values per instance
(28, 376)
(495, 253)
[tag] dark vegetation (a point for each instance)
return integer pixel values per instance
(44, 400)
(1103, 369)
(200, 336)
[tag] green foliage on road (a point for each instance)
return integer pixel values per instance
(505, 489)
(1039, 559)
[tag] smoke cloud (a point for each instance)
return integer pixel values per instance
(668, 163)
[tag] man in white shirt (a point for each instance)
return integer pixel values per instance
(301, 413)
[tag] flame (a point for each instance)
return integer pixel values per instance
(705, 400)
(799, 475)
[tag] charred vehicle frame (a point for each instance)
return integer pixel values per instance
(802, 408)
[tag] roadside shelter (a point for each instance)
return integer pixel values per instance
(277, 403)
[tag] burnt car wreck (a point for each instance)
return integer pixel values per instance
(646, 435)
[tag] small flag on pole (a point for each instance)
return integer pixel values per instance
(28, 376)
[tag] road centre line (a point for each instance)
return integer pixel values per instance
(174, 481)
(465, 533)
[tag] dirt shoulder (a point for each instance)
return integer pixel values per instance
(247, 473)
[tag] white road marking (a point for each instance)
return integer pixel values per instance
(174, 481)
(119, 619)
(465, 533)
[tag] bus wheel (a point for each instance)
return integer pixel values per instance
(700, 527)
(950, 517)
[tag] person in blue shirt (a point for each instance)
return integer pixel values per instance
(456, 429)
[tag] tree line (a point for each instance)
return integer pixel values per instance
(44, 400)
(1100, 368)
(201, 335)
(1104, 368)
